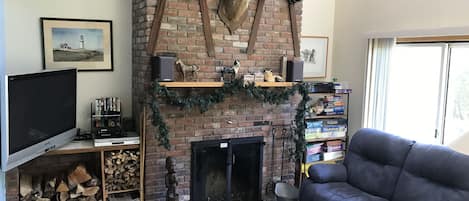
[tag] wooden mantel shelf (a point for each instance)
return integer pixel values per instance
(220, 84)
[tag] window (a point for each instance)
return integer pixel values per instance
(457, 105)
(422, 92)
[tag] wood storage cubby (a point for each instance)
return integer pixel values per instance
(122, 170)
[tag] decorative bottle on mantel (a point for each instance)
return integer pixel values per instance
(170, 180)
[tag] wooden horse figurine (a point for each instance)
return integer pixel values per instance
(186, 69)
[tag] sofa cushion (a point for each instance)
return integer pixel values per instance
(339, 191)
(433, 172)
(324, 173)
(374, 161)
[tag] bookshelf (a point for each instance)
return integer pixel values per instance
(326, 133)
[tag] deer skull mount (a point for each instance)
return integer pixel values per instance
(233, 13)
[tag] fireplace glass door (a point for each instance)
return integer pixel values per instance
(227, 170)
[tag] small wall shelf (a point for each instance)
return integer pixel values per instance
(220, 84)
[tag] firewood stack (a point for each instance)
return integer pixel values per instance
(78, 185)
(122, 170)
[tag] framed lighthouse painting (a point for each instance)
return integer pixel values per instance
(77, 43)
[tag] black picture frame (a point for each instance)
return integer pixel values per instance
(84, 44)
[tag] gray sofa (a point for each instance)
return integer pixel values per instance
(383, 167)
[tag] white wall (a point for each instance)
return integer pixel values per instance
(24, 51)
(357, 20)
(318, 20)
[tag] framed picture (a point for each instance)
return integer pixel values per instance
(314, 54)
(77, 43)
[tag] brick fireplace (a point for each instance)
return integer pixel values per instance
(238, 117)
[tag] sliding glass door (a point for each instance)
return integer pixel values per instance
(413, 91)
(425, 93)
(456, 124)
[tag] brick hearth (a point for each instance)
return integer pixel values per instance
(182, 33)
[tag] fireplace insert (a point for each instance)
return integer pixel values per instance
(227, 170)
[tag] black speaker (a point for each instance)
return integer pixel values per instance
(295, 71)
(163, 68)
(128, 124)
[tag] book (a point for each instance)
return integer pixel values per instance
(334, 143)
(313, 148)
(313, 158)
(332, 155)
(333, 148)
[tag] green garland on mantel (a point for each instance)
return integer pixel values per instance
(203, 102)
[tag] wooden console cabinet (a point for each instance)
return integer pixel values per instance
(80, 147)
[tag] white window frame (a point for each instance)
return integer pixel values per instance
(369, 87)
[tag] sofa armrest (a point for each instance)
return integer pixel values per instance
(324, 173)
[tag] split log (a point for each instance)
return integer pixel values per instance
(26, 184)
(62, 187)
(87, 199)
(64, 196)
(28, 197)
(49, 187)
(37, 186)
(90, 191)
(94, 181)
(78, 185)
(74, 195)
(80, 189)
(79, 175)
(71, 184)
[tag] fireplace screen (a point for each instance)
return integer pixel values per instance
(227, 170)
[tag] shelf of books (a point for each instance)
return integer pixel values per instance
(326, 129)
(324, 151)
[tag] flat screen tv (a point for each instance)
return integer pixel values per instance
(38, 114)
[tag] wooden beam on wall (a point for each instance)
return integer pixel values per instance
(294, 29)
(433, 39)
(255, 26)
(156, 26)
(207, 28)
